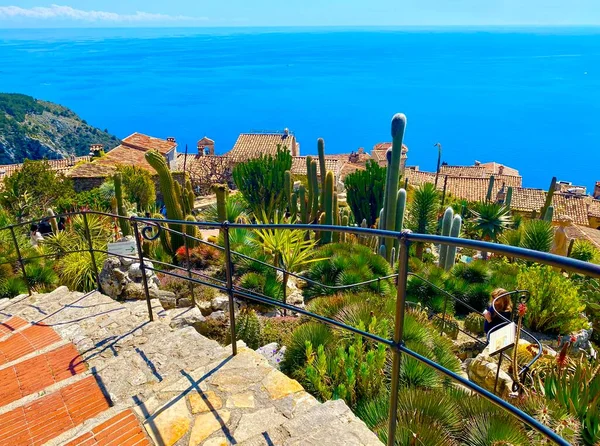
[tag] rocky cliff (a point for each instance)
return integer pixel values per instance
(35, 129)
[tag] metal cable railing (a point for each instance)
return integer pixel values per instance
(395, 344)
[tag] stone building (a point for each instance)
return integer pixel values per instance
(253, 145)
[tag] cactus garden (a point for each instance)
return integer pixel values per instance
(342, 276)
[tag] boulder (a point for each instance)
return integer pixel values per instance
(220, 303)
(273, 353)
(205, 307)
(482, 371)
(167, 299)
(183, 317)
(122, 279)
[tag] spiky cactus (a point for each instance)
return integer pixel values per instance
(287, 185)
(328, 205)
(192, 232)
(50, 213)
(490, 190)
(446, 227)
(164, 236)
(293, 206)
(123, 223)
(336, 217)
(400, 210)
(549, 196)
(321, 151)
(344, 222)
(188, 197)
(388, 215)
(303, 204)
(168, 189)
(508, 199)
(315, 194)
(549, 215)
(220, 191)
(454, 232)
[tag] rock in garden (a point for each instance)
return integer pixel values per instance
(220, 303)
(183, 317)
(273, 353)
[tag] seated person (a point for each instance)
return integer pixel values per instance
(503, 306)
(35, 236)
(45, 228)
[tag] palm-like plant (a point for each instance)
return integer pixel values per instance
(289, 248)
(537, 235)
(236, 210)
(423, 212)
(491, 219)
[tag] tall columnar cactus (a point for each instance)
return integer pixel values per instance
(328, 205)
(167, 187)
(310, 192)
(123, 223)
(336, 218)
(549, 196)
(446, 227)
(508, 199)
(220, 191)
(287, 185)
(315, 195)
(192, 232)
(322, 169)
(303, 205)
(490, 190)
(293, 206)
(50, 213)
(164, 236)
(400, 211)
(454, 232)
(390, 202)
(344, 222)
(188, 197)
(549, 216)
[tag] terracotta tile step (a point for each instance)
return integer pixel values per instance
(27, 341)
(35, 374)
(120, 430)
(12, 324)
(48, 417)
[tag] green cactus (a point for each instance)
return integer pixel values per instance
(315, 187)
(287, 185)
(303, 205)
(490, 190)
(310, 193)
(508, 200)
(454, 232)
(336, 217)
(168, 189)
(191, 231)
(322, 169)
(328, 205)
(474, 323)
(220, 191)
(400, 210)
(188, 197)
(123, 223)
(344, 222)
(319, 234)
(50, 213)
(549, 196)
(446, 226)
(390, 203)
(293, 206)
(165, 237)
(549, 216)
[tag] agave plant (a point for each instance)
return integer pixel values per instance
(537, 235)
(423, 209)
(236, 210)
(491, 219)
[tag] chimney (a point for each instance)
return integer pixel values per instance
(477, 163)
(500, 170)
(170, 138)
(597, 190)
(361, 150)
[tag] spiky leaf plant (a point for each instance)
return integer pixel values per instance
(537, 235)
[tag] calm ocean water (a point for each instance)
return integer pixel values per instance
(529, 98)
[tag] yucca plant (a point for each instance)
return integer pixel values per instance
(537, 235)
(12, 286)
(40, 276)
(295, 354)
(423, 208)
(236, 210)
(491, 219)
(584, 250)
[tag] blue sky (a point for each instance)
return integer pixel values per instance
(130, 13)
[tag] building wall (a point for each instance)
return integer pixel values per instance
(594, 222)
(85, 184)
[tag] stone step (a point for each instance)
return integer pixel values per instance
(25, 342)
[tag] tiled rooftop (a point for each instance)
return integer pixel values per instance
(465, 171)
(594, 208)
(573, 206)
(299, 166)
(62, 165)
(253, 145)
(92, 170)
(494, 168)
(146, 143)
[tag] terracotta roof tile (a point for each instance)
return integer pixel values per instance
(62, 165)
(253, 145)
(299, 166)
(92, 170)
(126, 156)
(580, 232)
(527, 199)
(574, 206)
(465, 171)
(379, 150)
(146, 143)
(417, 177)
(494, 168)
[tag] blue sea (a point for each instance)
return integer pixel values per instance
(525, 97)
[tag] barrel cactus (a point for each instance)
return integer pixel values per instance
(474, 323)
(123, 222)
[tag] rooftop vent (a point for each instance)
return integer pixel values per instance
(170, 138)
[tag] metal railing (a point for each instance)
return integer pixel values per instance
(152, 228)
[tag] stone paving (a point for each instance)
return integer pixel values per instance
(161, 385)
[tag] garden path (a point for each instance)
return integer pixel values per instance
(82, 369)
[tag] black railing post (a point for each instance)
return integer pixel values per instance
(138, 243)
(229, 277)
(189, 267)
(18, 250)
(88, 236)
(398, 332)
